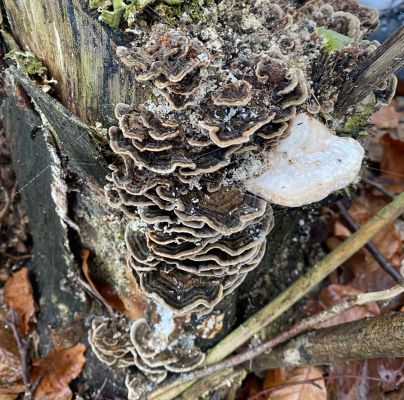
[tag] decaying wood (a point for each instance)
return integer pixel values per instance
(79, 53)
(387, 59)
(294, 293)
(75, 137)
(41, 173)
(299, 327)
(381, 336)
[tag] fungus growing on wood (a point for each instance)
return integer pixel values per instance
(152, 353)
(226, 108)
(308, 165)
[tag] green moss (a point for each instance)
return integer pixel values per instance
(113, 17)
(113, 12)
(333, 41)
(174, 2)
(359, 120)
(30, 63)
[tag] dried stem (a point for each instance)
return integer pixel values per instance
(379, 257)
(387, 59)
(379, 187)
(293, 294)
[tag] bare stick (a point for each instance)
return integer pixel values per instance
(379, 257)
(379, 187)
(294, 293)
(387, 59)
(381, 336)
(304, 325)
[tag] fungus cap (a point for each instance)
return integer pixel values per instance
(308, 165)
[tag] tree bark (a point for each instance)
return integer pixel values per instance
(381, 336)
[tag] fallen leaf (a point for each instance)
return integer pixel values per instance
(340, 230)
(18, 296)
(55, 372)
(102, 289)
(345, 388)
(362, 270)
(334, 294)
(392, 163)
(250, 388)
(274, 377)
(301, 391)
(386, 118)
(389, 370)
(10, 365)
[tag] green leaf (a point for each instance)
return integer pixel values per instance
(333, 41)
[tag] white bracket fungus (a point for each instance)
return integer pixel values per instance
(308, 165)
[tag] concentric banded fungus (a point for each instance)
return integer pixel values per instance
(151, 353)
(225, 97)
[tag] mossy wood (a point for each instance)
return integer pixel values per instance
(79, 52)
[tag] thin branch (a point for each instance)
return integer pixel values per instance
(379, 187)
(292, 294)
(379, 257)
(387, 59)
(302, 326)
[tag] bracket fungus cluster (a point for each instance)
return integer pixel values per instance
(241, 116)
(151, 353)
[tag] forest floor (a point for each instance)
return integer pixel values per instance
(22, 371)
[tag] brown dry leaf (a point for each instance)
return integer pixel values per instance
(10, 365)
(392, 163)
(274, 377)
(134, 300)
(349, 388)
(389, 370)
(334, 294)
(250, 388)
(340, 230)
(18, 296)
(55, 372)
(103, 289)
(362, 270)
(386, 118)
(303, 391)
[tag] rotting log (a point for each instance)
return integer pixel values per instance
(61, 171)
(79, 52)
(381, 336)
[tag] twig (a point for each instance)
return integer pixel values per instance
(293, 294)
(387, 58)
(379, 257)
(379, 187)
(97, 396)
(302, 326)
(12, 322)
(306, 381)
(6, 203)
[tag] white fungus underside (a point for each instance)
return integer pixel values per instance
(308, 165)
